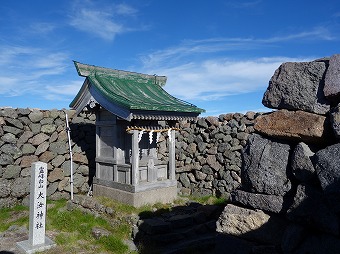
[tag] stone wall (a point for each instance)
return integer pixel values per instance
(30, 135)
(288, 201)
(208, 152)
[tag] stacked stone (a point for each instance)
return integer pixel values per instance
(31, 135)
(290, 188)
(184, 227)
(208, 153)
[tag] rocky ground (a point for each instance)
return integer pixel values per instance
(183, 229)
(189, 228)
(9, 238)
(216, 244)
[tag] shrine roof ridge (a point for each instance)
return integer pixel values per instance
(86, 70)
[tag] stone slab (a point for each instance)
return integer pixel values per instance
(137, 199)
(28, 248)
(270, 203)
(294, 125)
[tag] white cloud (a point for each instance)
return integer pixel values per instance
(6, 84)
(207, 76)
(337, 14)
(26, 69)
(104, 22)
(317, 33)
(243, 5)
(214, 79)
(125, 9)
(10, 54)
(96, 22)
(42, 28)
(65, 93)
(50, 64)
(189, 49)
(71, 88)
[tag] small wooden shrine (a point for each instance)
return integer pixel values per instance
(133, 112)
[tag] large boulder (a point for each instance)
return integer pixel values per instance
(327, 165)
(332, 78)
(251, 225)
(269, 203)
(298, 239)
(294, 125)
(292, 237)
(302, 166)
(335, 120)
(265, 166)
(311, 209)
(298, 86)
(317, 243)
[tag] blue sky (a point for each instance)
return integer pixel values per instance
(218, 55)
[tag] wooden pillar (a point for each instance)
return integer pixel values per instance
(135, 158)
(172, 173)
(97, 149)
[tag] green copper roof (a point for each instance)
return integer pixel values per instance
(132, 91)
